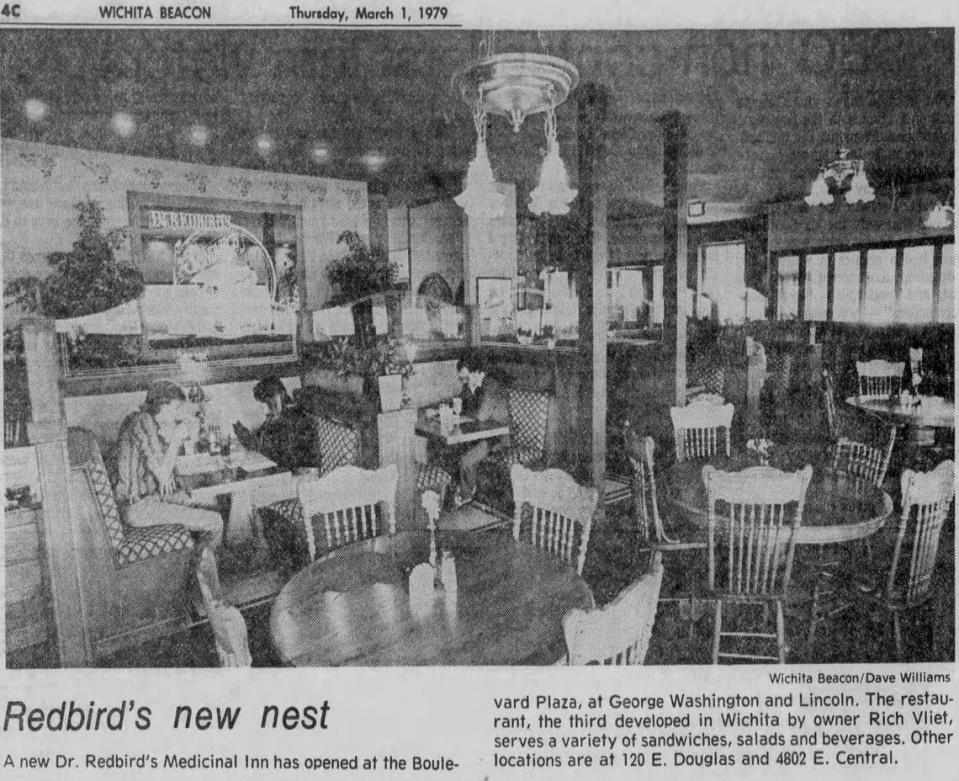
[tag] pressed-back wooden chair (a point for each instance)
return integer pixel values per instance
(352, 503)
(834, 422)
(879, 379)
(753, 518)
(926, 499)
(862, 460)
(696, 429)
(867, 463)
(230, 633)
(561, 512)
(228, 625)
(618, 633)
(640, 453)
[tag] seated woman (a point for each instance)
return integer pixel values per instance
(146, 451)
(288, 435)
(485, 397)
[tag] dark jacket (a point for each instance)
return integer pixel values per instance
(289, 439)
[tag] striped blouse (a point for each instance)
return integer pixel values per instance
(137, 458)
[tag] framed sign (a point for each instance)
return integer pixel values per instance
(494, 303)
(221, 275)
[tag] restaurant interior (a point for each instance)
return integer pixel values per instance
(645, 339)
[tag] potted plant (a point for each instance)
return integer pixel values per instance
(339, 367)
(358, 275)
(547, 333)
(85, 280)
(391, 364)
(524, 335)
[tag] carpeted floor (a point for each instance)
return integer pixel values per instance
(614, 560)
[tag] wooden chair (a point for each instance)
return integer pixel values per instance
(640, 455)
(862, 460)
(618, 633)
(561, 510)
(753, 517)
(879, 379)
(696, 429)
(353, 504)
(228, 625)
(926, 499)
(833, 419)
(230, 632)
(829, 596)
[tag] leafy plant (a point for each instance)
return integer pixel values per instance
(84, 280)
(362, 272)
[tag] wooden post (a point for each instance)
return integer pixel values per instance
(590, 280)
(48, 433)
(675, 246)
(396, 431)
(600, 325)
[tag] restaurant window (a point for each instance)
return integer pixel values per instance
(880, 303)
(817, 287)
(629, 297)
(658, 305)
(788, 290)
(946, 313)
(915, 300)
(845, 287)
(724, 279)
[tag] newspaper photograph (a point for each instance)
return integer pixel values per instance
(382, 384)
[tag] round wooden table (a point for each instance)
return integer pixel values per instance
(932, 412)
(921, 420)
(839, 508)
(352, 607)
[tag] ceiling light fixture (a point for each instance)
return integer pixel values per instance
(841, 176)
(941, 216)
(264, 144)
(321, 153)
(516, 85)
(123, 124)
(35, 109)
(198, 134)
(374, 161)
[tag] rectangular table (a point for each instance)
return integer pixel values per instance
(466, 431)
(240, 476)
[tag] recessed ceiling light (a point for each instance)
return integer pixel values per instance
(199, 134)
(123, 124)
(35, 109)
(321, 153)
(264, 144)
(374, 161)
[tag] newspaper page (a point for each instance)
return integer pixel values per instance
(384, 382)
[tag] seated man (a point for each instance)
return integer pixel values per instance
(288, 435)
(484, 398)
(146, 451)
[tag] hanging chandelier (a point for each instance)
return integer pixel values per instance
(841, 176)
(516, 85)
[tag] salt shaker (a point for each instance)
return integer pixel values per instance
(448, 572)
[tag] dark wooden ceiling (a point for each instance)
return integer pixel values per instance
(765, 108)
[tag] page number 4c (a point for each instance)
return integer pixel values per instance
(10, 10)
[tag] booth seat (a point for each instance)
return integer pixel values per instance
(345, 427)
(134, 581)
